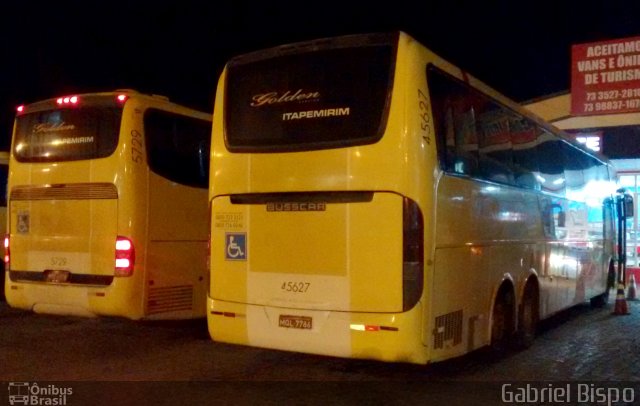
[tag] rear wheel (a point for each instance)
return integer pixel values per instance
(502, 319)
(528, 317)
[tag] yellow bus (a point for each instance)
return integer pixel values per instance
(4, 173)
(107, 207)
(370, 200)
(616, 136)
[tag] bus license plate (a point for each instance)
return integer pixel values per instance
(302, 322)
(57, 276)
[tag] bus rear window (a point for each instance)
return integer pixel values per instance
(311, 97)
(67, 134)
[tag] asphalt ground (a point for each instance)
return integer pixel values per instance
(161, 361)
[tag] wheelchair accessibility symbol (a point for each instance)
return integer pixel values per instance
(236, 246)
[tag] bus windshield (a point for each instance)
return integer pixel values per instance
(309, 100)
(67, 134)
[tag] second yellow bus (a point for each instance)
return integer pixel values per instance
(107, 207)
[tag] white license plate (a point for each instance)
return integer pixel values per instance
(301, 322)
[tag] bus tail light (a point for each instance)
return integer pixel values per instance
(125, 256)
(7, 255)
(413, 254)
(67, 100)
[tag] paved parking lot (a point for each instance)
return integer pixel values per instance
(580, 345)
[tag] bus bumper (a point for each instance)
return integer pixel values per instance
(392, 337)
(70, 300)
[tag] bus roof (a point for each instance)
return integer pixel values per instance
(119, 94)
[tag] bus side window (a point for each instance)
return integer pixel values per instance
(554, 220)
(203, 159)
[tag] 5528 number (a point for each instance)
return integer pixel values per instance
(297, 287)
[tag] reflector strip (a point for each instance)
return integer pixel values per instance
(369, 327)
(228, 314)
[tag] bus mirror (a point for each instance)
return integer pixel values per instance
(562, 218)
(628, 206)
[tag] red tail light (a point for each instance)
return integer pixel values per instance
(67, 100)
(125, 256)
(20, 108)
(7, 255)
(413, 254)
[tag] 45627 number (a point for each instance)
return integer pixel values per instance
(296, 287)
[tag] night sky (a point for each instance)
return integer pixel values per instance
(178, 48)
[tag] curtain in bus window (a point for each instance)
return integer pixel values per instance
(551, 163)
(454, 107)
(495, 149)
(524, 136)
(576, 162)
(67, 134)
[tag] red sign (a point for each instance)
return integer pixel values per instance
(605, 77)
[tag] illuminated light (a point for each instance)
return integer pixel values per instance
(559, 181)
(66, 100)
(125, 257)
(59, 101)
(7, 251)
(371, 328)
(123, 245)
(122, 98)
(122, 263)
(73, 99)
(357, 327)
(20, 108)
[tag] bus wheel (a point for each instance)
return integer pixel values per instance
(603, 299)
(502, 320)
(600, 301)
(528, 317)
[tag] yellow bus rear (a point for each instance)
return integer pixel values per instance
(339, 228)
(106, 206)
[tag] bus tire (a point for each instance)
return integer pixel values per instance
(528, 316)
(502, 320)
(602, 299)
